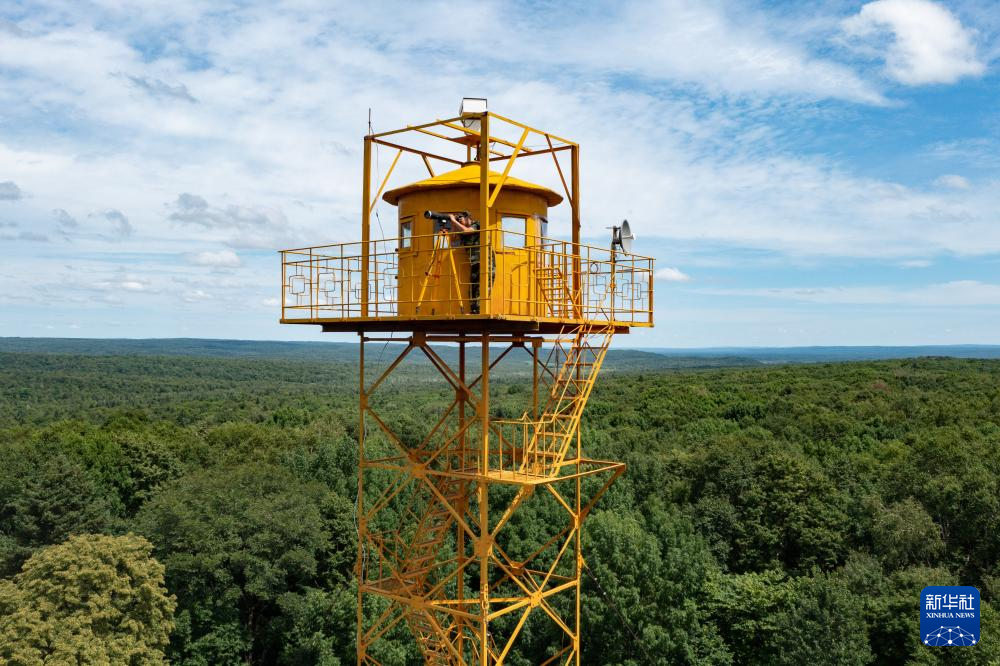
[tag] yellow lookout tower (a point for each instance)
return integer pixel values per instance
(470, 264)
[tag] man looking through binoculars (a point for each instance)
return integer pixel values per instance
(467, 229)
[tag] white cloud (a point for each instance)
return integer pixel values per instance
(724, 49)
(928, 44)
(9, 191)
(30, 236)
(196, 296)
(948, 294)
(253, 142)
(193, 209)
(671, 274)
(952, 181)
(159, 89)
(211, 141)
(916, 263)
(64, 220)
(121, 228)
(120, 281)
(216, 259)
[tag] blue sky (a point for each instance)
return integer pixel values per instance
(804, 173)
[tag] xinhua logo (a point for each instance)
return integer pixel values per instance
(949, 615)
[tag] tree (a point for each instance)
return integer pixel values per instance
(654, 578)
(45, 496)
(93, 599)
(822, 625)
(319, 626)
(239, 545)
(904, 533)
(766, 505)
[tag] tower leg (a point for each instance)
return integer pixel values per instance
(483, 547)
(464, 508)
(427, 516)
(362, 540)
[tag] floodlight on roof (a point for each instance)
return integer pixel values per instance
(472, 106)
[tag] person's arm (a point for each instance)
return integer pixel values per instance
(458, 226)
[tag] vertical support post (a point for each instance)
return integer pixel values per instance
(649, 309)
(313, 285)
(366, 193)
(578, 643)
(577, 293)
(483, 545)
(459, 532)
(362, 523)
(535, 348)
(283, 290)
(485, 224)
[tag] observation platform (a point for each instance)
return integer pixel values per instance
(423, 283)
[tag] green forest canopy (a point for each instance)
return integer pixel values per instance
(781, 515)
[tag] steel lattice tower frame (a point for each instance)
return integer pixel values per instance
(436, 551)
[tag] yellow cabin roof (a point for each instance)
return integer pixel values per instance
(468, 176)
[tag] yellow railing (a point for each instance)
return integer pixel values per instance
(429, 276)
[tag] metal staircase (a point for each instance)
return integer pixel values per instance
(579, 355)
(420, 564)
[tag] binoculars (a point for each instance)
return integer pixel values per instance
(443, 220)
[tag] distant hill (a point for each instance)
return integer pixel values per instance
(831, 354)
(323, 351)
(618, 358)
(329, 352)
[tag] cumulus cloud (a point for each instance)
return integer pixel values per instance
(113, 284)
(64, 220)
(244, 226)
(196, 296)
(716, 103)
(721, 48)
(956, 293)
(9, 191)
(121, 228)
(216, 259)
(952, 181)
(926, 42)
(161, 90)
(30, 236)
(670, 274)
(916, 263)
(194, 209)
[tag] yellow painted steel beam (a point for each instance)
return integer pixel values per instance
(385, 180)
(506, 171)
(532, 129)
(562, 178)
(483, 135)
(366, 188)
(416, 151)
(427, 163)
(410, 128)
(533, 152)
(456, 139)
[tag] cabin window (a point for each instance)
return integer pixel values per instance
(542, 225)
(405, 233)
(515, 230)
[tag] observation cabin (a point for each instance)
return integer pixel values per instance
(506, 275)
